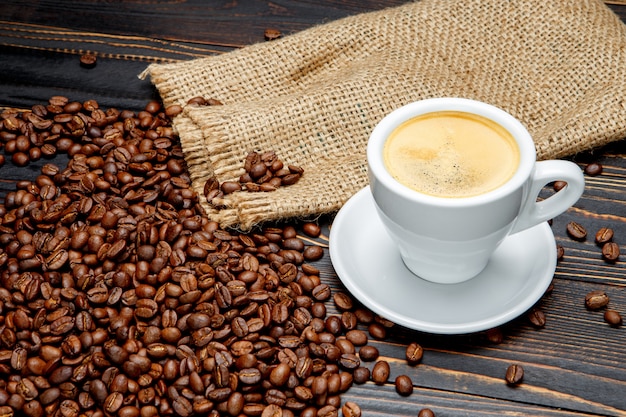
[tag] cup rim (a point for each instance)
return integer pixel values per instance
(384, 128)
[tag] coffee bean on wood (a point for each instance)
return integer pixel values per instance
(613, 318)
(593, 169)
(576, 230)
(271, 34)
(380, 372)
(514, 374)
(610, 251)
(537, 318)
(560, 252)
(88, 60)
(414, 353)
(351, 409)
(404, 385)
(595, 300)
(604, 235)
(559, 185)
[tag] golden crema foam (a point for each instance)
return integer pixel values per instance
(451, 154)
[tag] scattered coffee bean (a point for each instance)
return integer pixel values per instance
(311, 229)
(559, 185)
(271, 34)
(610, 251)
(377, 331)
(593, 169)
(404, 385)
(426, 412)
(88, 60)
(613, 318)
(514, 374)
(313, 253)
(604, 235)
(595, 300)
(537, 318)
(560, 252)
(495, 335)
(414, 353)
(380, 372)
(351, 409)
(576, 231)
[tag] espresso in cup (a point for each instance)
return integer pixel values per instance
(451, 154)
(452, 178)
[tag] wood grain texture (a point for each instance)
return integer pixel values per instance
(574, 366)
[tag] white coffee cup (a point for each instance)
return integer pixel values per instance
(450, 240)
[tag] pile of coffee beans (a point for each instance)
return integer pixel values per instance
(118, 296)
(264, 171)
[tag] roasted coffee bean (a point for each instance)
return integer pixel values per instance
(495, 335)
(514, 374)
(351, 409)
(604, 235)
(414, 353)
(364, 316)
(368, 353)
(537, 318)
(311, 229)
(250, 376)
(559, 185)
(380, 372)
(613, 318)
(321, 292)
(328, 411)
(143, 305)
(342, 301)
(349, 361)
(610, 251)
(280, 374)
(595, 300)
(593, 169)
(357, 337)
(88, 60)
(377, 331)
(270, 34)
(576, 231)
(404, 385)
(313, 253)
(345, 346)
(426, 412)
(349, 320)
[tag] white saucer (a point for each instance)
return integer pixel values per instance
(369, 265)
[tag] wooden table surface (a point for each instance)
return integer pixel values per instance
(574, 366)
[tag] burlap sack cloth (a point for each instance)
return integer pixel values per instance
(315, 96)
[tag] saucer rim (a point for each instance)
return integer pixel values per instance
(527, 301)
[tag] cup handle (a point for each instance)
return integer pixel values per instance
(534, 212)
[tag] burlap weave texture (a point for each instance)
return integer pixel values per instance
(315, 96)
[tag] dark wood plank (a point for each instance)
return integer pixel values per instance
(230, 23)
